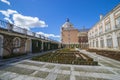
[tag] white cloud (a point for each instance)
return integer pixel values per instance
(7, 19)
(21, 20)
(5, 1)
(48, 35)
(8, 12)
(27, 21)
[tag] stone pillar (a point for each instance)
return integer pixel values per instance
(49, 46)
(115, 41)
(42, 47)
(105, 41)
(98, 42)
(30, 46)
(103, 26)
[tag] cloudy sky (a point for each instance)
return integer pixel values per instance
(47, 16)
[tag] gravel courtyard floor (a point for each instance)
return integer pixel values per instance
(108, 69)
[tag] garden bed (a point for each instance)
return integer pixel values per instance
(111, 54)
(66, 57)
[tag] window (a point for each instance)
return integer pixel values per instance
(117, 21)
(96, 32)
(107, 27)
(101, 43)
(109, 43)
(93, 43)
(96, 43)
(118, 39)
(100, 30)
(16, 44)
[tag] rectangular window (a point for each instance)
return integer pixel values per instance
(101, 43)
(117, 22)
(96, 32)
(118, 42)
(100, 30)
(109, 43)
(107, 27)
(96, 43)
(93, 43)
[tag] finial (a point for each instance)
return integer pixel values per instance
(67, 20)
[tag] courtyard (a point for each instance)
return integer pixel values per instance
(28, 69)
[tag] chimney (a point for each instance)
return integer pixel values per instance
(101, 16)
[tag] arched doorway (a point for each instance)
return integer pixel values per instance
(16, 43)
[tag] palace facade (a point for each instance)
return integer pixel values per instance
(105, 34)
(72, 37)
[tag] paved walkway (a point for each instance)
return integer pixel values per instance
(20, 58)
(108, 69)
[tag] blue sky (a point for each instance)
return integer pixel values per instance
(47, 16)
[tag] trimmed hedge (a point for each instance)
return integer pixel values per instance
(66, 56)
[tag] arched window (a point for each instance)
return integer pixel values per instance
(16, 44)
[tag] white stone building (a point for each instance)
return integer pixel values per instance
(105, 34)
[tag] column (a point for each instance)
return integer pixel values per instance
(98, 42)
(42, 47)
(105, 41)
(115, 41)
(30, 46)
(95, 43)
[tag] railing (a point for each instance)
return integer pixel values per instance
(12, 27)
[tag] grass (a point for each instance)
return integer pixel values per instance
(19, 70)
(64, 68)
(62, 77)
(50, 66)
(32, 64)
(41, 74)
(88, 78)
(91, 70)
